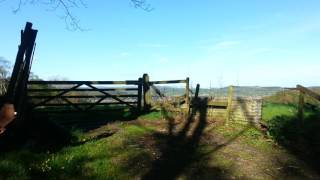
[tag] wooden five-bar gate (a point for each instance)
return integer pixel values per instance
(87, 95)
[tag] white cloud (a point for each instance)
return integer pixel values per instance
(124, 54)
(223, 45)
(163, 60)
(152, 45)
(253, 27)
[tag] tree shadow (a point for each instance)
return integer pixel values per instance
(300, 139)
(179, 148)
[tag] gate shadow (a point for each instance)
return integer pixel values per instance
(179, 148)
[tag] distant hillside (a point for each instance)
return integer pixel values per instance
(241, 91)
(273, 94)
(291, 97)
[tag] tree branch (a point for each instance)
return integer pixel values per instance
(72, 22)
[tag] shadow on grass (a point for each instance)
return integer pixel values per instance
(88, 120)
(44, 130)
(302, 139)
(180, 148)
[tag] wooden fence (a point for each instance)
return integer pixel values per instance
(302, 92)
(151, 85)
(233, 109)
(86, 95)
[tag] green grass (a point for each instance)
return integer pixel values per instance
(106, 158)
(285, 127)
(271, 110)
(155, 115)
(125, 154)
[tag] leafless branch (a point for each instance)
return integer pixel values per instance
(18, 8)
(142, 4)
(72, 22)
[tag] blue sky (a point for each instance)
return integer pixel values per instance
(247, 42)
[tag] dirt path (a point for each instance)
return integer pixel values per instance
(197, 148)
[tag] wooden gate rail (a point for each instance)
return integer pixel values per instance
(90, 88)
(130, 82)
(302, 92)
(83, 89)
(147, 84)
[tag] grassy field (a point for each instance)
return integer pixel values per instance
(161, 145)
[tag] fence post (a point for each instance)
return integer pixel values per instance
(300, 106)
(187, 92)
(146, 93)
(197, 91)
(140, 82)
(229, 107)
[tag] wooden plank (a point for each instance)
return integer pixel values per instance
(196, 96)
(19, 61)
(86, 104)
(187, 98)
(58, 95)
(146, 93)
(140, 89)
(110, 95)
(167, 82)
(129, 82)
(309, 92)
(229, 106)
(157, 91)
(85, 96)
(24, 75)
(96, 103)
(83, 89)
(218, 103)
(72, 104)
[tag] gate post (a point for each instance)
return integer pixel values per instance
(229, 106)
(146, 93)
(140, 83)
(187, 100)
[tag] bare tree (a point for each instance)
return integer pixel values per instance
(4, 75)
(67, 6)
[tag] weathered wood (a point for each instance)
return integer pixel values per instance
(24, 75)
(84, 96)
(187, 98)
(229, 106)
(218, 104)
(83, 89)
(129, 82)
(146, 93)
(157, 91)
(110, 95)
(95, 103)
(196, 96)
(17, 88)
(140, 89)
(85, 104)
(309, 92)
(167, 82)
(19, 61)
(58, 95)
(72, 104)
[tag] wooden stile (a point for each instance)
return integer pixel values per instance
(229, 106)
